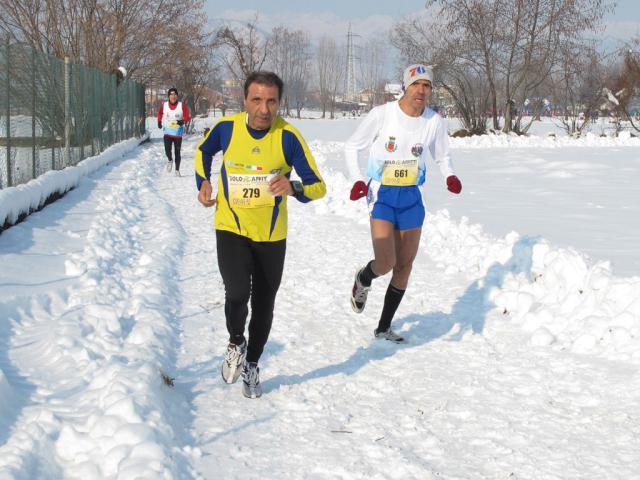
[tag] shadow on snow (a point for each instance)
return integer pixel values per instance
(468, 313)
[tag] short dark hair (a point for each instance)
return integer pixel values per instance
(264, 78)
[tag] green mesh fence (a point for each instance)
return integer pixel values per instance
(54, 114)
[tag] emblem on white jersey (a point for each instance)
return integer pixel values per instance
(417, 150)
(391, 145)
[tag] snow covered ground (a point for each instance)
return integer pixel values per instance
(523, 353)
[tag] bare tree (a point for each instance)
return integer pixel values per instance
(467, 87)
(300, 74)
(191, 70)
(136, 34)
(372, 63)
(246, 49)
(290, 59)
(534, 31)
(578, 88)
(469, 33)
(510, 46)
(330, 63)
(455, 59)
(625, 84)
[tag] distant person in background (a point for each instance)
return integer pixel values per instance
(398, 135)
(172, 117)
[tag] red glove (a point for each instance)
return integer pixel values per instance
(453, 184)
(358, 190)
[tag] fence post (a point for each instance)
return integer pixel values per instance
(92, 115)
(8, 124)
(67, 113)
(81, 122)
(33, 112)
(118, 121)
(111, 107)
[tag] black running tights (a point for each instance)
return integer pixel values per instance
(177, 143)
(250, 271)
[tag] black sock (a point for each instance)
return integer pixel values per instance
(391, 301)
(367, 275)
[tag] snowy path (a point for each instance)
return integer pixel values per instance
(84, 361)
(338, 404)
(504, 377)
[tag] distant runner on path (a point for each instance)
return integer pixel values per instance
(260, 149)
(398, 135)
(172, 117)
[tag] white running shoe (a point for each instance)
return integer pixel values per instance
(389, 335)
(359, 294)
(169, 166)
(178, 173)
(233, 362)
(251, 380)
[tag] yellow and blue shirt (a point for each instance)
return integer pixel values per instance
(250, 159)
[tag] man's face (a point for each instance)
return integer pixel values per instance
(262, 104)
(173, 97)
(417, 94)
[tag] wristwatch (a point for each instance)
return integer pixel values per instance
(297, 188)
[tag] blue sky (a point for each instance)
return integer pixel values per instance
(349, 9)
(368, 17)
(627, 10)
(372, 18)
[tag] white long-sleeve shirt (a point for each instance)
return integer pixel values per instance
(392, 135)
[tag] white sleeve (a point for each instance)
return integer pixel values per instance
(440, 149)
(362, 138)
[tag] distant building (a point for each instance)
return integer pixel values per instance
(153, 97)
(392, 91)
(208, 99)
(233, 92)
(367, 96)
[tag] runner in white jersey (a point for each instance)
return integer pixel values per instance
(400, 135)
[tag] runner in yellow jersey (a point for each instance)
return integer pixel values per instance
(260, 150)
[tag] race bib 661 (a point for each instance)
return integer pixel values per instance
(400, 172)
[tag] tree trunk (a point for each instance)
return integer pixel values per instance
(508, 116)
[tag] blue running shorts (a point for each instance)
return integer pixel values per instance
(402, 206)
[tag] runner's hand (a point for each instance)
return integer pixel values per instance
(204, 195)
(280, 185)
(453, 184)
(358, 190)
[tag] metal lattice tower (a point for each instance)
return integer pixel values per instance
(351, 88)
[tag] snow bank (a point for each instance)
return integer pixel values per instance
(102, 353)
(553, 294)
(31, 196)
(122, 310)
(518, 141)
